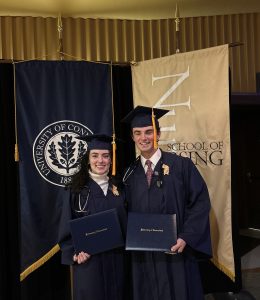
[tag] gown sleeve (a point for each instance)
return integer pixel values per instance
(196, 228)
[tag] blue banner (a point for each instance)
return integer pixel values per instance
(56, 102)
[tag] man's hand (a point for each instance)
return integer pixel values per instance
(179, 246)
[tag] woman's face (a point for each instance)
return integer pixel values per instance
(99, 161)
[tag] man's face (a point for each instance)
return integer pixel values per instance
(143, 138)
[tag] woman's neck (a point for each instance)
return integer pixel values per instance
(101, 180)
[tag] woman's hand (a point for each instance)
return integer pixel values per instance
(81, 258)
(179, 246)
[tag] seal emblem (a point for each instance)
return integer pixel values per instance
(57, 151)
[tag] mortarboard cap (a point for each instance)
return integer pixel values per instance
(98, 141)
(141, 116)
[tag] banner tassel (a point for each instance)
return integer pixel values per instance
(16, 153)
(114, 156)
(16, 150)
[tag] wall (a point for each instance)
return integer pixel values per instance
(25, 38)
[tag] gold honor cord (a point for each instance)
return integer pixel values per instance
(113, 123)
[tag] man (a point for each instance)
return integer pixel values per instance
(167, 184)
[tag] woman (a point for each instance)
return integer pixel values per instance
(100, 276)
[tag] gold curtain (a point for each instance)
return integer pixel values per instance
(25, 38)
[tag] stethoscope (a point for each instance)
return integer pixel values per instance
(82, 208)
(130, 170)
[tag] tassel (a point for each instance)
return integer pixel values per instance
(114, 156)
(155, 144)
(16, 152)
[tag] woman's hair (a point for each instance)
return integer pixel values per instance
(80, 179)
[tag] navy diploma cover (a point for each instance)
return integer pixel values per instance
(151, 232)
(97, 233)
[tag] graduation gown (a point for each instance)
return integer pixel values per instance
(102, 276)
(160, 276)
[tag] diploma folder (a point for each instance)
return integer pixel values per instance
(97, 233)
(151, 232)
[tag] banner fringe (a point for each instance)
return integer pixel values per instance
(39, 262)
(222, 268)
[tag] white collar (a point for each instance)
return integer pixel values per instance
(97, 177)
(101, 180)
(154, 159)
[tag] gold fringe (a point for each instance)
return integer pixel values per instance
(39, 262)
(222, 268)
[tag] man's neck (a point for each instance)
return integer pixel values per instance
(148, 155)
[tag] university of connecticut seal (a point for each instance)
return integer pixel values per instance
(57, 151)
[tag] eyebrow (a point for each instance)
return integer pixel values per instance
(146, 131)
(136, 131)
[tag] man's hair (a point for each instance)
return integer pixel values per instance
(157, 128)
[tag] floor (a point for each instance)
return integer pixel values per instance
(250, 267)
(250, 263)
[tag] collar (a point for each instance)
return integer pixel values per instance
(98, 178)
(154, 159)
(101, 180)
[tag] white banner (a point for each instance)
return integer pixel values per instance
(194, 86)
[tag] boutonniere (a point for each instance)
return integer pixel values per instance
(115, 190)
(166, 169)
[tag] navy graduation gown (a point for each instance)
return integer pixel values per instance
(160, 276)
(102, 276)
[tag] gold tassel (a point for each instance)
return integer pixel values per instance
(114, 156)
(16, 152)
(113, 120)
(155, 144)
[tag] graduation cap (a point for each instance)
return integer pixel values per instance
(102, 142)
(97, 141)
(142, 116)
